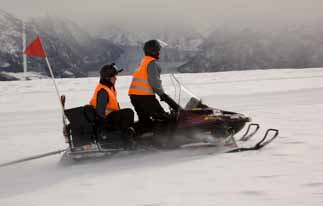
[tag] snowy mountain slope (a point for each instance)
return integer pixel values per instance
(71, 50)
(182, 38)
(287, 172)
(291, 46)
(121, 36)
(10, 34)
(62, 29)
(182, 44)
(10, 39)
(11, 45)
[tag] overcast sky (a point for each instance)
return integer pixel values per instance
(170, 12)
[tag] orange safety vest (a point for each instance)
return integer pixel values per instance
(140, 84)
(112, 104)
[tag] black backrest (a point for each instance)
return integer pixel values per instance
(82, 124)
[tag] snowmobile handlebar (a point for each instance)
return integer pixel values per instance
(172, 104)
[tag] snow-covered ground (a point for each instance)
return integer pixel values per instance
(289, 171)
(24, 75)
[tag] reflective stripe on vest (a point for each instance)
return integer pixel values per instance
(112, 104)
(139, 84)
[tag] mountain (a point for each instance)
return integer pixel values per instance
(292, 46)
(182, 43)
(73, 48)
(182, 38)
(10, 42)
(72, 51)
(75, 52)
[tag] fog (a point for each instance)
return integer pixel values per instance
(149, 13)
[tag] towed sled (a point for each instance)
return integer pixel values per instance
(192, 125)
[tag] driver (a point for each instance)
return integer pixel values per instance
(145, 84)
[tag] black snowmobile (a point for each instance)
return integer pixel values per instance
(193, 125)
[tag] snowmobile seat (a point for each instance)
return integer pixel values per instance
(84, 129)
(82, 125)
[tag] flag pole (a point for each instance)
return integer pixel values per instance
(36, 49)
(24, 46)
(56, 88)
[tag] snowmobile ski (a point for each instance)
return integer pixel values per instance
(263, 142)
(247, 135)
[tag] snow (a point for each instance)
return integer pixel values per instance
(286, 172)
(25, 75)
(4, 64)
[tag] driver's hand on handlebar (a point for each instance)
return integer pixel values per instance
(164, 97)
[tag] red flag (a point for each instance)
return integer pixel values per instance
(35, 48)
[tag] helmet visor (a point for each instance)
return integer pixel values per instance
(162, 43)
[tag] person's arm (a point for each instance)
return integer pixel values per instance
(102, 101)
(154, 78)
(155, 82)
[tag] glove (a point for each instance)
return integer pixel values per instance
(162, 117)
(165, 98)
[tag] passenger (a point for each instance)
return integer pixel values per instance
(145, 84)
(106, 104)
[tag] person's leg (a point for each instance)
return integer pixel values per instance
(143, 112)
(126, 118)
(164, 123)
(157, 111)
(146, 106)
(141, 106)
(121, 119)
(155, 107)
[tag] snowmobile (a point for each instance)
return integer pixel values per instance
(193, 124)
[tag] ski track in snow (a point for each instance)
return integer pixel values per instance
(286, 172)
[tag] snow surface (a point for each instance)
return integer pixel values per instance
(25, 75)
(286, 172)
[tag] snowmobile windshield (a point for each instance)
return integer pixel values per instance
(184, 97)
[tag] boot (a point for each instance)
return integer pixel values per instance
(129, 138)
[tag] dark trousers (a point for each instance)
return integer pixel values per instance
(120, 120)
(147, 108)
